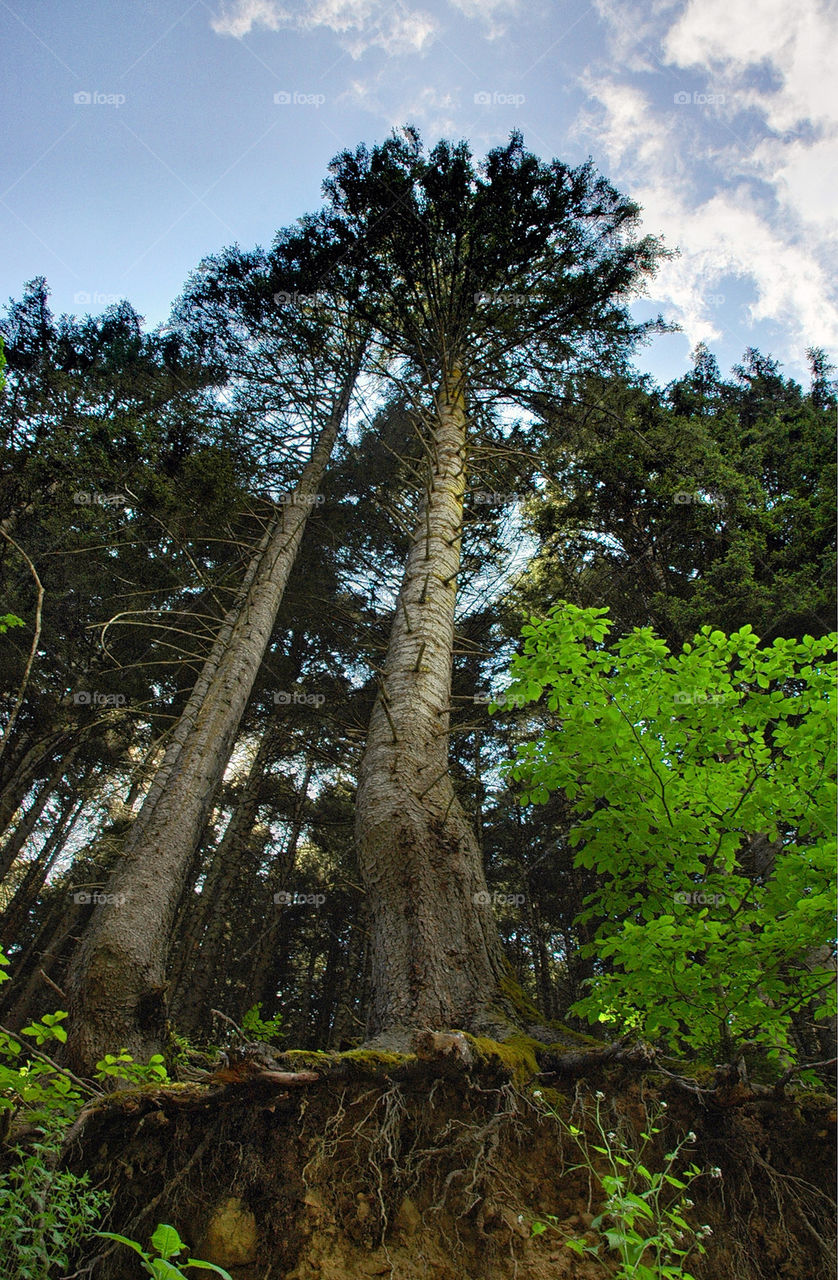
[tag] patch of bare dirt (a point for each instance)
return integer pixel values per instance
(408, 1170)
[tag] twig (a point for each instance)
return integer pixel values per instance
(48, 980)
(33, 650)
(804, 1066)
(223, 1016)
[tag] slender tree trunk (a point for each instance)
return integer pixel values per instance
(12, 919)
(268, 960)
(210, 907)
(350, 988)
(13, 846)
(21, 771)
(436, 957)
(118, 978)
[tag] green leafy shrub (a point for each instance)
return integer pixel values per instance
(45, 1213)
(703, 788)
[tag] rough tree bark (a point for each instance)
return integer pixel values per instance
(117, 979)
(436, 956)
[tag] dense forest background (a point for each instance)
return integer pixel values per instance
(142, 476)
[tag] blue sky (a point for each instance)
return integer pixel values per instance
(142, 136)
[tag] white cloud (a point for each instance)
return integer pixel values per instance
(434, 110)
(360, 24)
(798, 45)
(489, 12)
(241, 16)
(760, 212)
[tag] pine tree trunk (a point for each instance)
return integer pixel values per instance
(117, 983)
(436, 956)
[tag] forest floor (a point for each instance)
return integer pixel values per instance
(390, 1165)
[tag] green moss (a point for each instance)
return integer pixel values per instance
(517, 1054)
(299, 1059)
(514, 997)
(376, 1057)
(514, 994)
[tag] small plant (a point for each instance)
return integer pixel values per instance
(48, 1095)
(642, 1216)
(167, 1244)
(262, 1029)
(121, 1066)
